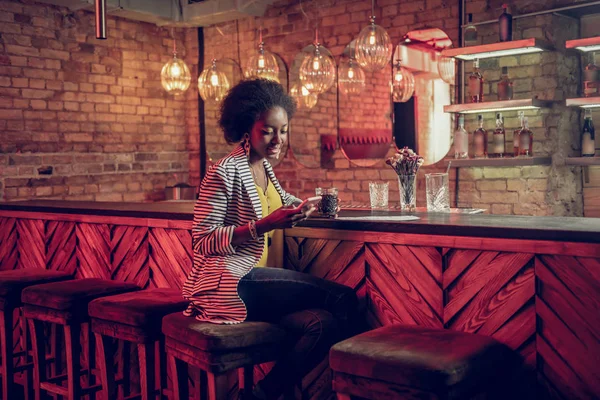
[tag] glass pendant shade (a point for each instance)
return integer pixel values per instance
(305, 100)
(317, 71)
(447, 69)
(213, 83)
(373, 47)
(262, 64)
(403, 83)
(351, 78)
(175, 76)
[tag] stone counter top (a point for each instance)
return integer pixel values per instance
(571, 229)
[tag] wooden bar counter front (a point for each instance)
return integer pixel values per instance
(530, 282)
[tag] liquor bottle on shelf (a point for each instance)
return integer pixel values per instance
(480, 140)
(476, 84)
(505, 86)
(505, 24)
(588, 136)
(470, 32)
(516, 134)
(498, 139)
(525, 140)
(591, 77)
(461, 140)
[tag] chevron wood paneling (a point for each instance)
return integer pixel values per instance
(31, 244)
(61, 246)
(9, 253)
(130, 250)
(93, 251)
(568, 337)
(170, 259)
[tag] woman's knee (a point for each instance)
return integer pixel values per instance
(319, 324)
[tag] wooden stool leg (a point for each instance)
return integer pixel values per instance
(72, 344)
(161, 368)
(124, 369)
(36, 328)
(6, 334)
(106, 366)
(217, 386)
(246, 381)
(146, 356)
(28, 373)
(91, 358)
(179, 378)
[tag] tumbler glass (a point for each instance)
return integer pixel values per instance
(438, 192)
(328, 205)
(378, 194)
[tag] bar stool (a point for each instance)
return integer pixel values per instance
(216, 349)
(66, 304)
(134, 317)
(408, 362)
(12, 284)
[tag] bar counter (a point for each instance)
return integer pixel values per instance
(530, 282)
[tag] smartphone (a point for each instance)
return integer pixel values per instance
(311, 201)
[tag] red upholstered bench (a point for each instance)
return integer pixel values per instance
(216, 349)
(12, 284)
(409, 362)
(134, 317)
(66, 304)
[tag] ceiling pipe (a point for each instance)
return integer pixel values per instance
(100, 19)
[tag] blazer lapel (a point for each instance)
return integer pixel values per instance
(273, 178)
(247, 180)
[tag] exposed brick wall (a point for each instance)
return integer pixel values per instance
(538, 190)
(92, 110)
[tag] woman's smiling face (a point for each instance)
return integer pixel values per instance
(270, 133)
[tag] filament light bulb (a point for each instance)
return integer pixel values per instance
(316, 64)
(350, 73)
(214, 79)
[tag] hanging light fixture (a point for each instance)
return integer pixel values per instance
(373, 46)
(317, 71)
(304, 99)
(213, 83)
(403, 83)
(351, 77)
(447, 69)
(175, 75)
(262, 64)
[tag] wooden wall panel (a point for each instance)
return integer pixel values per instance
(9, 253)
(170, 259)
(31, 244)
(61, 246)
(93, 251)
(567, 305)
(129, 254)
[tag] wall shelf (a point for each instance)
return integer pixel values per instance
(584, 102)
(584, 45)
(490, 106)
(500, 162)
(512, 48)
(582, 161)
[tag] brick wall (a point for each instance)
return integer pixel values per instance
(92, 112)
(538, 190)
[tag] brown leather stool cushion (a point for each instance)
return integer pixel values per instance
(72, 296)
(144, 308)
(220, 337)
(13, 282)
(434, 360)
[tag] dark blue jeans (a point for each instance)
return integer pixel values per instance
(317, 313)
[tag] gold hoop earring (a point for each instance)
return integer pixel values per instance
(246, 145)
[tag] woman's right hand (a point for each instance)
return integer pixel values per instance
(283, 217)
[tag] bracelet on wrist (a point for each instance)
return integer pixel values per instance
(252, 229)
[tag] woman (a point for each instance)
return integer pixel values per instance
(237, 225)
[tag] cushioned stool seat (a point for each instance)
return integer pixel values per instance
(402, 361)
(66, 304)
(216, 349)
(134, 317)
(12, 284)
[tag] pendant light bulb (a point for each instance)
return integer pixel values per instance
(317, 71)
(351, 80)
(373, 46)
(262, 64)
(403, 84)
(213, 84)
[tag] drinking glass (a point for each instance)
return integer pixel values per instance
(329, 201)
(438, 192)
(408, 192)
(378, 194)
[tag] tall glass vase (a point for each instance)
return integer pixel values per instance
(408, 192)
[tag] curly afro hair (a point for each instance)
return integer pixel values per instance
(247, 101)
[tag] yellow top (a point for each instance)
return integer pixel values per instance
(272, 254)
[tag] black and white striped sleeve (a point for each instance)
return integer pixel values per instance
(209, 235)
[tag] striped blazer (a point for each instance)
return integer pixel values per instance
(227, 199)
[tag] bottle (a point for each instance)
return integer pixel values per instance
(505, 24)
(470, 32)
(480, 140)
(498, 138)
(505, 86)
(591, 78)
(516, 134)
(588, 136)
(461, 140)
(476, 84)
(525, 139)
